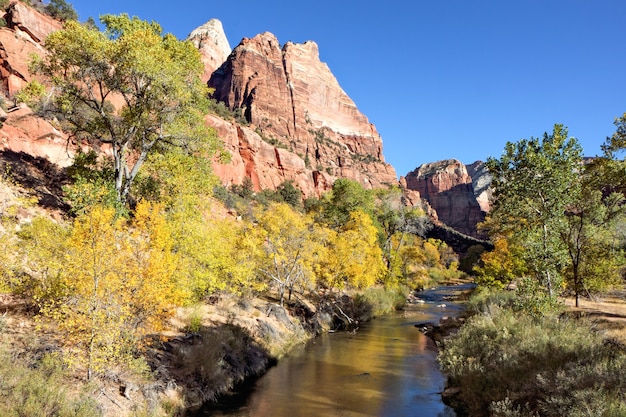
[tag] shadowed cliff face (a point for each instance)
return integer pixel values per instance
(449, 189)
(292, 100)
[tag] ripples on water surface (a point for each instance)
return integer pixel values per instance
(387, 368)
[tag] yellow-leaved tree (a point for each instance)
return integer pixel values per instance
(285, 259)
(119, 283)
(350, 256)
(500, 266)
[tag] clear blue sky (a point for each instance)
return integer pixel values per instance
(441, 78)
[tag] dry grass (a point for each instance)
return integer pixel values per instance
(608, 311)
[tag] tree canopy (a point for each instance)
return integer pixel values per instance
(130, 87)
(535, 181)
(555, 214)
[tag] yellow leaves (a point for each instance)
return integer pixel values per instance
(119, 280)
(501, 265)
(359, 242)
(349, 257)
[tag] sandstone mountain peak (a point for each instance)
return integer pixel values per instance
(292, 101)
(299, 126)
(211, 41)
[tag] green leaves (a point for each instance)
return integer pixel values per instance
(535, 182)
(131, 87)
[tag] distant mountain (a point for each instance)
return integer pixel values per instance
(459, 196)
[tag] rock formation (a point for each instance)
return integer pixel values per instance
(293, 102)
(21, 131)
(25, 29)
(447, 186)
(213, 45)
(301, 125)
(481, 181)
(25, 132)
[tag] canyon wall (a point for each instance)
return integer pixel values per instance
(293, 102)
(449, 189)
(299, 125)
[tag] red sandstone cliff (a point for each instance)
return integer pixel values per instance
(448, 188)
(291, 99)
(303, 126)
(21, 130)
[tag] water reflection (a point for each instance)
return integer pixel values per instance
(387, 368)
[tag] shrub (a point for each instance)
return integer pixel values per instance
(510, 363)
(485, 299)
(38, 389)
(33, 95)
(384, 300)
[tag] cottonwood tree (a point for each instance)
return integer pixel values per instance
(118, 282)
(349, 257)
(593, 238)
(595, 256)
(396, 223)
(286, 247)
(346, 196)
(130, 87)
(535, 182)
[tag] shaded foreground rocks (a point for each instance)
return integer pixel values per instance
(439, 331)
(226, 344)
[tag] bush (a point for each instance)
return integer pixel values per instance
(485, 299)
(383, 300)
(510, 363)
(37, 389)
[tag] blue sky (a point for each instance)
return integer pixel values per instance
(441, 78)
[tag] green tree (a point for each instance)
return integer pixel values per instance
(592, 232)
(535, 181)
(396, 222)
(289, 193)
(610, 169)
(130, 87)
(595, 256)
(60, 9)
(346, 196)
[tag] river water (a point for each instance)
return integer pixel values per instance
(386, 368)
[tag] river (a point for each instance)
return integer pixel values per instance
(386, 368)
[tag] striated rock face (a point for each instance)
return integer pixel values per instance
(267, 166)
(22, 131)
(447, 186)
(481, 181)
(25, 29)
(29, 21)
(292, 100)
(213, 45)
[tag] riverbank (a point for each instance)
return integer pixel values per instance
(504, 361)
(385, 368)
(205, 351)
